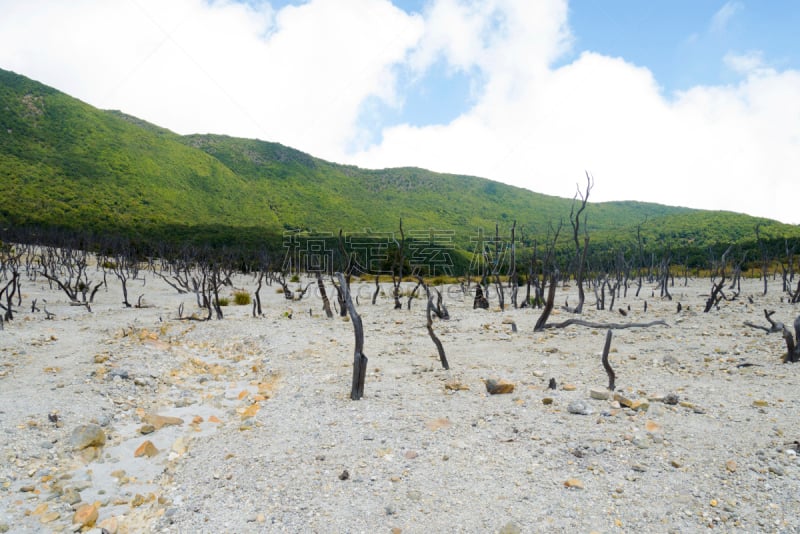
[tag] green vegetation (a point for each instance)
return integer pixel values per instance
(66, 165)
(241, 298)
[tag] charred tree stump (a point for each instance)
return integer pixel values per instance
(606, 365)
(549, 303)
(792, 344)
(359, 358)
(326, 304)
(480, 300)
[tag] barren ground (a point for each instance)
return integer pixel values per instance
(267, 428)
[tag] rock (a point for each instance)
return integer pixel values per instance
(573, 483)
(640, 405)
(671, 399)
(777, 470)
(499, 387)
(147, 429)
(410, 455)
(623, 400)
(49, 517)
(652, 427)
(599, 393)
(90, 435)
(455, 385)
(731, 466)
(159, 421)
(579, 407)
(85, 515)
(569, 387)
(760, 403)
(547, 401)
(509, 528)
(145, 449)
(180, 446)
(344, 475)
(110, 525)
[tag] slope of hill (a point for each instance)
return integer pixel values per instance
(66, 164)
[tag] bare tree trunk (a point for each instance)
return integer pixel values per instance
(359, 358)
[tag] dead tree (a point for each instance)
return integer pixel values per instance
(438, 310)
(607, 366)
(67, 267)
(764, 256)
(553, 280)
(496, 264)
(513, 278)
(580, 253)
(397, 267)
(326, 305)
(359, 358)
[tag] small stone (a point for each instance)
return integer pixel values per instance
(777, 469)
(573, 483)
(138, 500)
(90, 435)
(640, 405)
(159, 421)
(499, 387)
(760, 403)
(145, 449)
(547, 401)
(623, 400)
(49, 517)
(410, 455)
(579, 407)
(147, 429)
(731, 466)
(455, 385)
(509, 528)
(599, 394)
(569, 387)
(179, 446)
(652, 427)
(110, 525)
(85, 515)
(671, 399)
(344, 475)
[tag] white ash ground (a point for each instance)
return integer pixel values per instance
(419, 457)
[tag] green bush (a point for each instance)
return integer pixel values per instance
(241, 298)
(223, 301)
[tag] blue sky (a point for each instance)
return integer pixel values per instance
(681, 102)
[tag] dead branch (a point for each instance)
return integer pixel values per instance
(615, 326)
(774, 326)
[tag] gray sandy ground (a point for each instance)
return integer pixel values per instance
(268, 429)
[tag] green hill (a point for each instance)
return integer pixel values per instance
(67, 165)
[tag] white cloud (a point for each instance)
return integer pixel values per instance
(721, 19)
(745, 63)
(301, 76)
(733, 147)
(297, 75)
